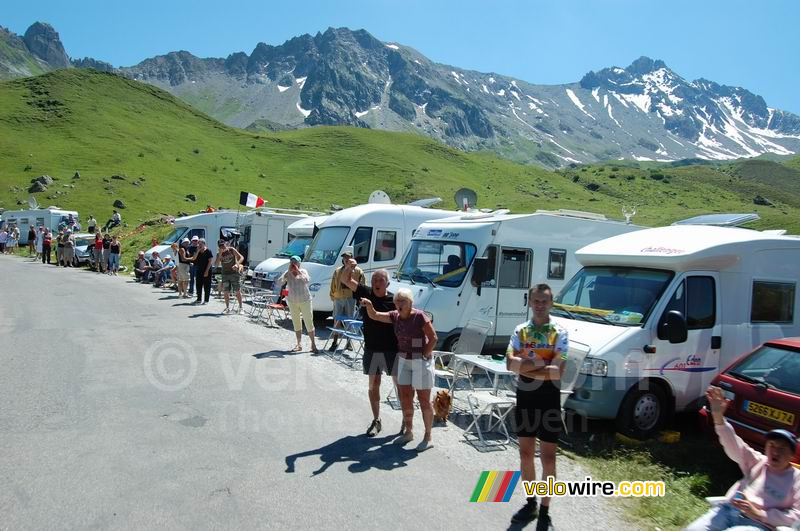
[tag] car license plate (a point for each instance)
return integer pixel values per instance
(777, 415)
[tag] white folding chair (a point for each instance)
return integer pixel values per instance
(495, 409)
(470, 341)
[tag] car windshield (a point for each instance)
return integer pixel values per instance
(621, 296)
(326, 245)
(174, 236)
(295, 247)
(773, 366)
(441, 263)
(80, 242)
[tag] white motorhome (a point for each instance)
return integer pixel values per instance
(657, 313)
(300, 234)
(378, 235)
(519, 250)
(266, 232)
(208, 225)
(49, 217)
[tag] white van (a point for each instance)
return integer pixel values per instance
(300, 234)
(49, 217)
(378, 235)
(657, 313)
(266, 232)
(519, 250)
(208, 225)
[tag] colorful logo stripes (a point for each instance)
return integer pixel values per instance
(494, 486)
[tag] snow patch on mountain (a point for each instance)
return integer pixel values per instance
(393, 46)
(304, 112)
(578, 103)
(281, 88)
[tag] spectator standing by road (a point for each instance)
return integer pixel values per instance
(380, 341)
(183, 269)
(191, 253)
(31, 241)
(97, 252)
(60, 248)
(299, 300)
(3, 239)
(113, 256)
(47, 241)
(38, 242)
(202, 263)
(106, 250)
(231, 261)
(342, 296)
(536, 353)
(69, 248)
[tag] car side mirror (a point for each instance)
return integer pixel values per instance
(480, 272)
(673, 328)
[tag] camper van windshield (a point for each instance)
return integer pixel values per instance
(174, 236)
(326, 245)
(295, 247)
(435, 262)
(621, 296)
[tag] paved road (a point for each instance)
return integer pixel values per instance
(124, 407)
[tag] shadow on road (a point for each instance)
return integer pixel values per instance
(362, 452)
(207, 314)
(276, 354)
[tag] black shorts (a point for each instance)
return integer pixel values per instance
(379, 362)
(538, 411)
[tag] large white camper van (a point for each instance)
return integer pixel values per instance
(300, 234)
(519, 250)
(657, 313)
(49, 217)
(378, 235)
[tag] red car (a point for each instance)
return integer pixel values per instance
(764, 389)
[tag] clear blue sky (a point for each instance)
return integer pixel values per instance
(747, 43)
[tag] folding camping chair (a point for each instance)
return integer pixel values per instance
(277, 308)
(470, 341)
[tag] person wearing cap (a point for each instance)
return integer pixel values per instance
(141, 267)
(191, 251)
(202, 263)
(231, 262)
(344, 305)
(183, 269)
(163, 273)
(299, 300)
(768, 496)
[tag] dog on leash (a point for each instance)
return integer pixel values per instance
(441, 406)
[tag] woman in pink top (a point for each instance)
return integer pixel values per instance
(768, 495)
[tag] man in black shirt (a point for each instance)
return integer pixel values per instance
(380, 342)
(202, 264)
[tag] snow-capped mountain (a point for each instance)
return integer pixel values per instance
(342, 77)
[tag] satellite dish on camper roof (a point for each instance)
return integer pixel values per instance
(466, 199)
(33, 203)
(379, 197)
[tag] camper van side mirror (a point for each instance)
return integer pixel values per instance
(673, 328)
(480, 271)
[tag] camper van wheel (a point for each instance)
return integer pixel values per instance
(642, 412)
(451, 344)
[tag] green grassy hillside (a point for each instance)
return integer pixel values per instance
(102, 125)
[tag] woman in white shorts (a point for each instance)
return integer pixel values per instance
(416, 340)
(183, 269)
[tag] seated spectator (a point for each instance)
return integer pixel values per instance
(141, 268)
(768, 495)
(115, 220)
(163, 274)
(155, 265)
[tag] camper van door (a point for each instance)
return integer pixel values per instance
(689, 365)
(513, 280)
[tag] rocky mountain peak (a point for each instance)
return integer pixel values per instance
(44, 42)
(645, 65)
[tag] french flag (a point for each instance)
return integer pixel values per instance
(251, 200)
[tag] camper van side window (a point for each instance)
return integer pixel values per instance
(385, 245)
(695, 298)
(557, 264)
(515, 268)
(360, 243)
(773, 302)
